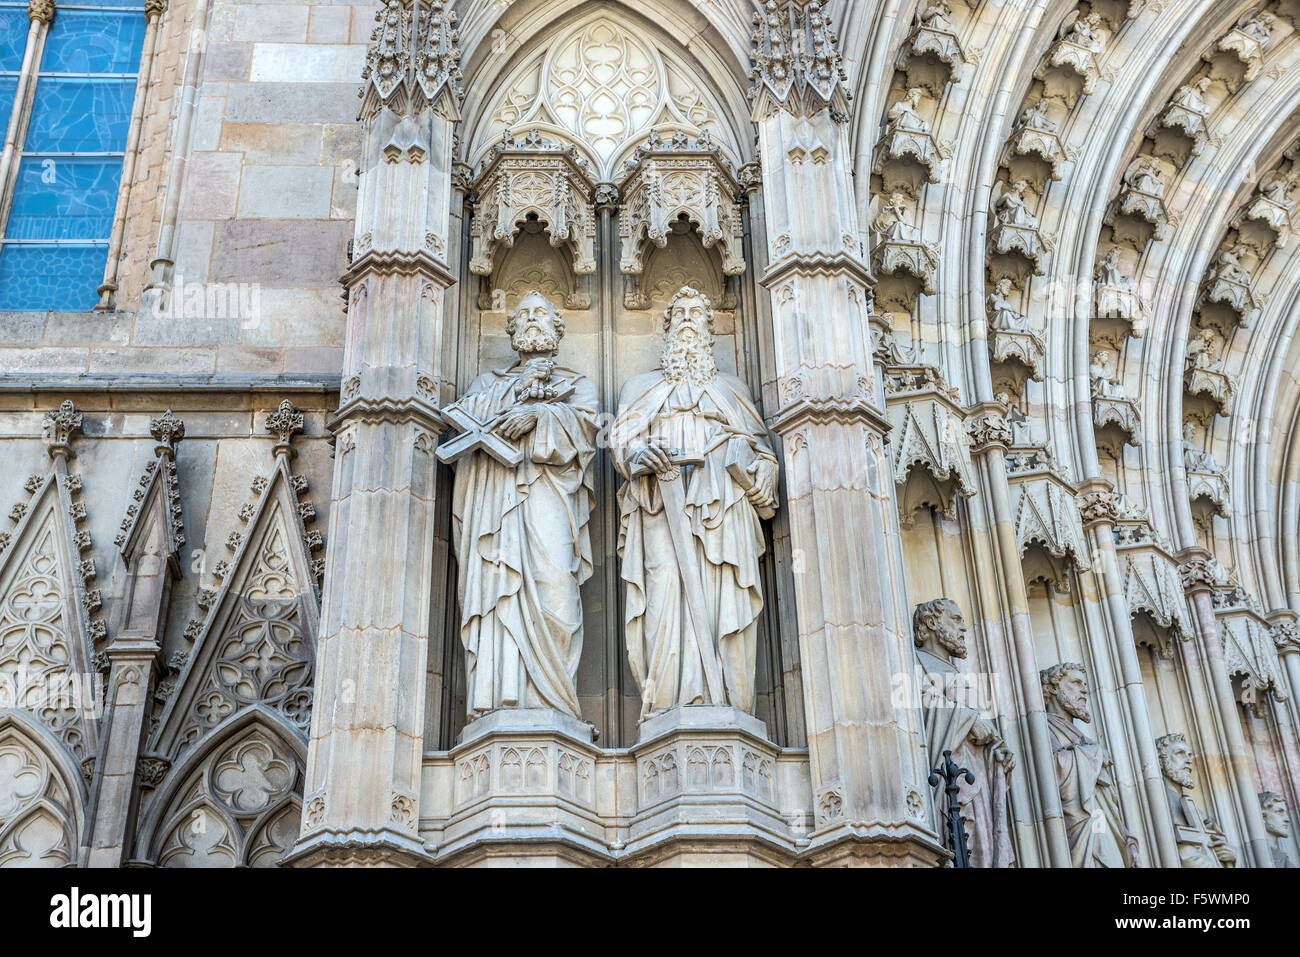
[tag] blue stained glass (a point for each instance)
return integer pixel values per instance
(64, 198)
(8, 90)
(94, 41)
(63, 278)
(13, 38)
(80, 115)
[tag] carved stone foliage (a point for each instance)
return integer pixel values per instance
(795, 63)
(239, 808)
(1070, 70)
(412, 59)
(156, 499)
(1227, 299)
(1034, 152)
(1249, 652)
(907, 156)
(47, 633)
(533, 180)
(1016, 246)
(1138, 213)
(256, 644)
(928, 445)
(679, 181)
(932, 55)
(39, 809)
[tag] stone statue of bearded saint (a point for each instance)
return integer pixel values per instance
(1201, 843)
(700, 472)
(955, 720)
(1085, 773)
(520, 533)
(1278, 826)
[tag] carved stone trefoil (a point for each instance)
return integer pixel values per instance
(534, 184)
(668, 183)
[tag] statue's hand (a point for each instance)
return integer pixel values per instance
(654, 456)
(1005, 757)
(763, 492)
(518, 423)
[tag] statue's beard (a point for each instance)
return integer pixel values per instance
(687, 357)
(1181, 776)
(1077, 709)
(951, 640)
(532, 339)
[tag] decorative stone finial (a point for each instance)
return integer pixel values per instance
(167, 431)
(795, 64)
(60, 426)
(411, 53)
(284, 423)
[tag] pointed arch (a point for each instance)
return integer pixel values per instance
(42, 796)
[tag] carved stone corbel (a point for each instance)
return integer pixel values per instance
(932, 55)
(1227, 299)
(1138, 213)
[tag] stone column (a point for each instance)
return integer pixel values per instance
(868, 780)
(150, 547)
(361, 801)
(1198, 581)
(40, 14)
(1099, 511)
(990, 435)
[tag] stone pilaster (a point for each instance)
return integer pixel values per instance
(150, 542)
(361, 802)
(868, 780)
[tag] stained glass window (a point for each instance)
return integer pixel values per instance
(56, 239)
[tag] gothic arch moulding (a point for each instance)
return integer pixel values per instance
(602, 85)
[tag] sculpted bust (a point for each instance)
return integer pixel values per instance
(1085, 773)
(1200, 841)
(520, 530)
(1278, 826)
(957, 720)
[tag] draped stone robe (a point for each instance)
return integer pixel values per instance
(948, 727)
(664, 652)
(522, 542)
(1086, 777)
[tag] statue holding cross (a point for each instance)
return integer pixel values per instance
(520, 506)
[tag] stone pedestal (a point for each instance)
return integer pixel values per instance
(707, 792)
(523, 793)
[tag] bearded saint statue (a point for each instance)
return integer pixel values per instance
(700, 475)
(956, 721)
(520, 531)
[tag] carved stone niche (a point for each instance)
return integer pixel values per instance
(1034, 152)
(1015, 352)
(673, 187)
(1069, 70)
(904, 264)
(536, 185)
(1138, 213)
(1249, 651)
(932, 56)
(907, 156)
(1265, 220)
(1180, 130)
(1238, 57)
(1118, 309)
(1049, 530)
(1115, 417)
(1016, 246)
(1227, 300)
(1156, 600)
(1207, 388)
(1207, 486)
(927, 442)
